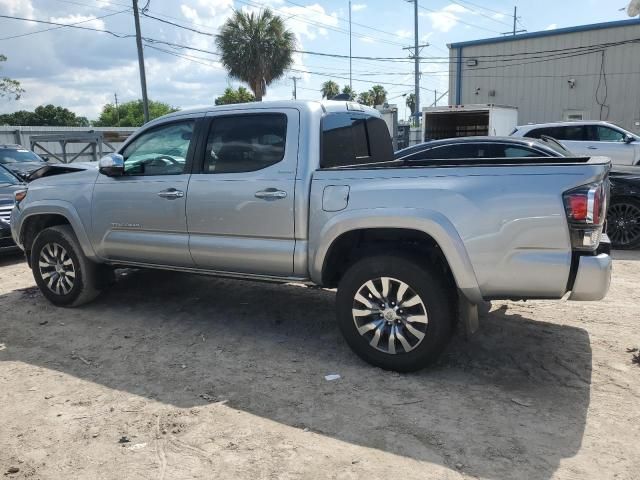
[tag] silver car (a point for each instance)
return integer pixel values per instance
(589, 138)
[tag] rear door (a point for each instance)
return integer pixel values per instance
(240, 202)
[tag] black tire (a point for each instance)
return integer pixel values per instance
(87, 276)
(623, 223)
(435, 300)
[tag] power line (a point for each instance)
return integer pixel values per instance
(60, 25)
(69, 25)
(483, 7)
(453, 17)
(480, 13)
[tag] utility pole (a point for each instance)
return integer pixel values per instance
(515, 21)
(350, 59)
(115, 96)
(295, 86)
(143, 77)
(435, 98)
(416, 56)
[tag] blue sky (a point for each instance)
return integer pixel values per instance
(82, 69)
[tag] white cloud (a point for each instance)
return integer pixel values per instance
(445, 19)
(87, 21)
(553, 26)
(17, 8)
(404, 33)
(356, 7)
(367, 40)
(499, 16)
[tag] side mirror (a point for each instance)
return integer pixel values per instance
(628, 139)
(111, 165)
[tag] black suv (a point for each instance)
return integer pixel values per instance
(20, 160)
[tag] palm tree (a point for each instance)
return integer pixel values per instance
(411, 103)
(349, 91)
(329, 89)
(256, 48)
(366, 98)
(379, 95)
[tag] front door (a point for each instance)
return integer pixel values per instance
(609, 142)
(140, 216)
(240, 206)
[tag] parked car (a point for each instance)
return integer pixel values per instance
(482, 147)
(310, 192)
(20, 160)
(589, 138)
(9, 184)
(623, 214)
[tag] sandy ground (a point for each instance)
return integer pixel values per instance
(170, 376)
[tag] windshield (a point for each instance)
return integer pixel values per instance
(7, 178)
(17, 155)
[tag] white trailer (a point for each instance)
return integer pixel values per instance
(468, 120)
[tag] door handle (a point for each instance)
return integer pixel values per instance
(271, 194)
(171, 193)
(592, 148)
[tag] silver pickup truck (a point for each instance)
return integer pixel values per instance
(309, 192)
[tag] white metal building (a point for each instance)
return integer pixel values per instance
(590, 72)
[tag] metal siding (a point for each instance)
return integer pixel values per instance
(541, 90)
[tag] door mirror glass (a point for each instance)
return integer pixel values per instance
(111, 165)
(628, 139)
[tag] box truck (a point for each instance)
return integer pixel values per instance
(468, 120)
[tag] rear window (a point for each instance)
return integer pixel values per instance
(350, 138)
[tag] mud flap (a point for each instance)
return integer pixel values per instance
(468, 314)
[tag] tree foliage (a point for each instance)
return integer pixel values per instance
(8, 87)
(329, 89)
(411, 103)
(241, 95)
(48, 115)
(376, 96)
(256, 48)
(131, 114)
(349, 91)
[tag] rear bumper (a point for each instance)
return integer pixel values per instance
(592, 278)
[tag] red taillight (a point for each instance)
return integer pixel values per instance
(585, 208)
(577, 206)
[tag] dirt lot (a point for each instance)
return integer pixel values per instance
(175, 376)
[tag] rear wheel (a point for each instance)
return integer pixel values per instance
(61, 270)
(394, 313)
(623, 223)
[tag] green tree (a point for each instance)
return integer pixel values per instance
(49, 115)
(349, 91)
(8, 87)
(329, 89)
(366, 98)
(379, 95)
(241, 95)
(256, 48)
(410, 101)
(130, 114)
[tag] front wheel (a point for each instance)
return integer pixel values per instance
(62, 272)
(394, 313)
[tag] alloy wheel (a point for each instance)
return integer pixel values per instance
(623, 223)
(56, 268)
(390, 315)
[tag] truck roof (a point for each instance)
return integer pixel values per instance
(326, 105)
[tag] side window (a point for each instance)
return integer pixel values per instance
(575, 133)
(352, 139)
(245, 143)
(508, 151)
(606, 134)
(160, 151)
(462, 150)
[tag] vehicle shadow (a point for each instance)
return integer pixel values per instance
(629, 255)
(510, 403)
(11, 258)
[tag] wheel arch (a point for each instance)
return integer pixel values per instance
(36, 217)
(418, 231)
